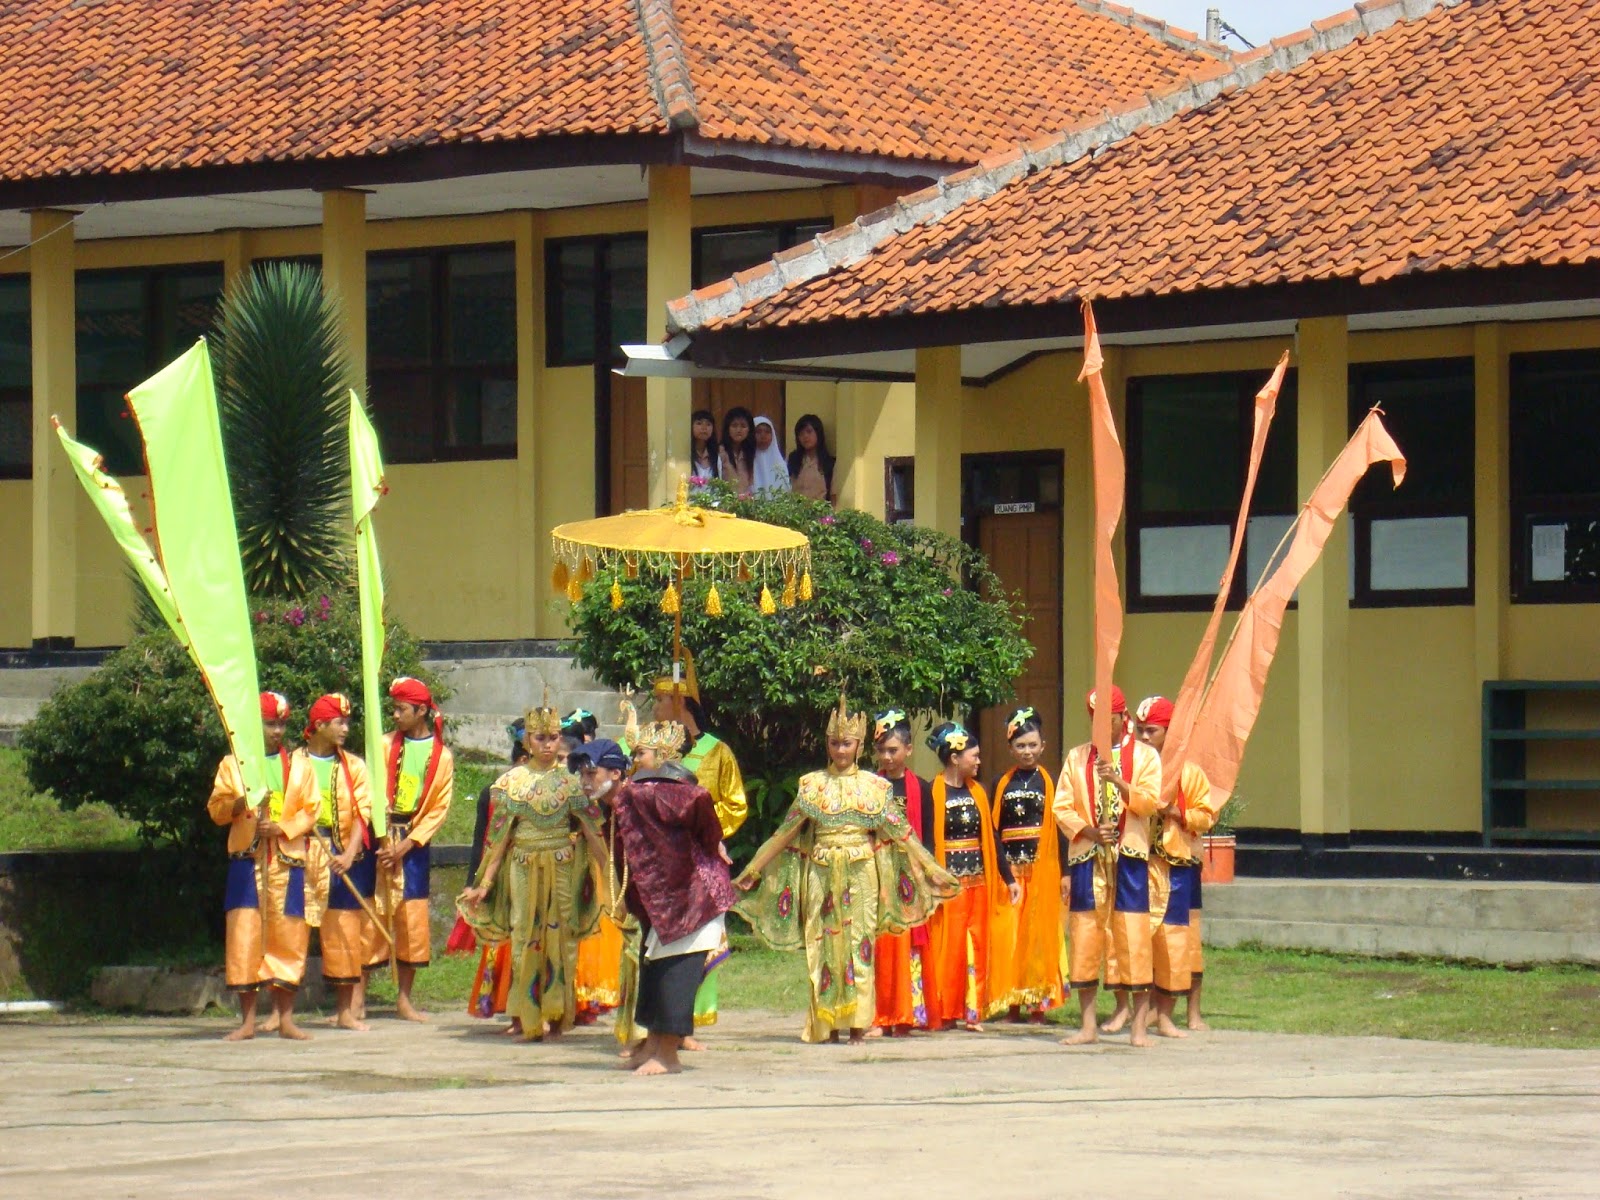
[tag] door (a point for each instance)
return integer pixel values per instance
(763, 397)
(1024, 550)
(629, 436)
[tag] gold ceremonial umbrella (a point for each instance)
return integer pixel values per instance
(677, 542)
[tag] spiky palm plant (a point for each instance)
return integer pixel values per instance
(280, 371)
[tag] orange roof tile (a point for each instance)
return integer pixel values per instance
(113, 87)
(1363, 150)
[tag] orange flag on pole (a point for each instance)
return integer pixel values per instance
(1109, 473)
(1228, 712)
(1186, 706)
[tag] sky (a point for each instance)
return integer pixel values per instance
(1257, 20)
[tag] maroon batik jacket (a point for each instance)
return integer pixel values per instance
(668, 834)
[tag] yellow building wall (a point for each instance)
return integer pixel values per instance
(105, 588)
(16, 557)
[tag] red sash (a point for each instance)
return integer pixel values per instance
(914, 803)
(397, 749)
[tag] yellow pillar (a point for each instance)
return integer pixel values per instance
(235, 257)
(858, 472)
(55, 390)
(532, 542)
(344, 274)
(668, 275)
(1491, 569)
(1323, 350)
(938, 416)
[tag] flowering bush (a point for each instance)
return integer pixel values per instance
(902, 615)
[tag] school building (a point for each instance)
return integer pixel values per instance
(501, 196)
(1405, 197)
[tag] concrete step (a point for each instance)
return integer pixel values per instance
(1489, 922)
(490, 693)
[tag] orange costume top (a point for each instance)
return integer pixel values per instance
(293, 823)
(1185, 824)
(1076, 799)
(428, 809)
(347, 813)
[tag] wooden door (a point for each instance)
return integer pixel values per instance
(763, 397)
(1024, 549)
(630, 444)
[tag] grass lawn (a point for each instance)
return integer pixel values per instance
(471, 778)
(29, 821)
(1277, 991)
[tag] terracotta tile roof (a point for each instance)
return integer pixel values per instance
(1401, 138)
(106, 87)
(946, 80)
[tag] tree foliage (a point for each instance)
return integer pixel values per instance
(142, 734)
(901, 615)
(284, 407)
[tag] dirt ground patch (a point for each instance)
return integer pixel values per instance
(133, 1108)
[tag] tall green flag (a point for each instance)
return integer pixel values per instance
(112, 504)
(198, 544)
(366, 489)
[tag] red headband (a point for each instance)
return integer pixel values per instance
(327, 708)
(1156, 710)
(1119, 702)
(411, 691)
(274, 707)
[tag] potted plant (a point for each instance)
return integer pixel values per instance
(1216, 861)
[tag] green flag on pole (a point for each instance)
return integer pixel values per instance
(366, 489)
(112, 503)
(198, 544)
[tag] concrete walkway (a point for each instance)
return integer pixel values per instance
(112, 1108)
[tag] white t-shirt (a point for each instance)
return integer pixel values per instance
(702, 941)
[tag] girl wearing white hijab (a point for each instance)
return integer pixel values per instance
(771, 468)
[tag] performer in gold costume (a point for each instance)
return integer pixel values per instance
(842, 868)
(533, 888)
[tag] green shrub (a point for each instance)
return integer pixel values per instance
(903, 615)
(142, 735)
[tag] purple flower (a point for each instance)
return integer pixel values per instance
(261, 617)
(699, 480)
(828, 520)
(296, 616)
(324, 608)
(889, 558)
(946, 592)
(866, 544)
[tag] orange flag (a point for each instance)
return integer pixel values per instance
(1109, 472)
(1228, 712)
(1187, 704)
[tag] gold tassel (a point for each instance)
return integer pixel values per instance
(788, 593)
(558, 577)
(616, 595)
(669, 600)
(788, 574)
(574, 590)
(767, 606)
(713, 602)
(805, 586)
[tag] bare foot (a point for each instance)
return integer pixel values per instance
(242, 1034)
(1014, 1015)
(348, 1020)
(875, 1032)
(553, 1033)
(635, 1051)
(973, 1027)
(634, 1059)
(292, 1032)
(514, 1029)
(1118, 1022)
(693, 1044)
(833, 1036)
(1084, 1037)
(408, 1011)
(1036, 1017)
(1138, 1040)
(654, 1066)
(270, 1025)
(858, 1036)
(1198, 1026)
(1165, 1028)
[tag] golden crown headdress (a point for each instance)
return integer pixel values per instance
(844, 724)
(664, 737)
(545, 718)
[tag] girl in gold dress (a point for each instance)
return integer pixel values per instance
(843, 868)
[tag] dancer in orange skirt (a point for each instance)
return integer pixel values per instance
(963, 844)
(1027, 956)
(902, 1000)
